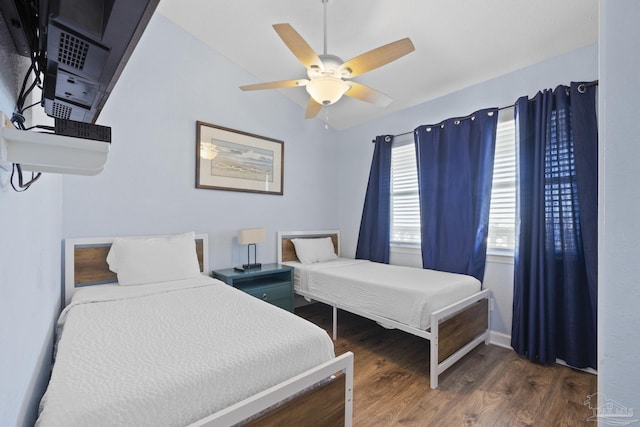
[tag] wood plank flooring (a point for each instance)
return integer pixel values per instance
(491, 386)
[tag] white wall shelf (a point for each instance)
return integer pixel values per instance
(46, 152)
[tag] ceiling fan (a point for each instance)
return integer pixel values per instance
(328, 73)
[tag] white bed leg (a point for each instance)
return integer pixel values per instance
(335, 323)
(488, 333)
(433, 359)
(348, 393)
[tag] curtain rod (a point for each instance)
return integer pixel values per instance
(581, 88)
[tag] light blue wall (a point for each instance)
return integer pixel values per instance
(148, 185)
(619, 269)
(355, 151)
(30, 233)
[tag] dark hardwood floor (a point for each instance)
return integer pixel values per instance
(491, 386)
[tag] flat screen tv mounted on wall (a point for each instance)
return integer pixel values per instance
(79, 46)
(77, 51)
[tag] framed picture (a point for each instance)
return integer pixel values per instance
(228, 159)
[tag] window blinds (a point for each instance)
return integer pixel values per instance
(502, 214)
(405, 207)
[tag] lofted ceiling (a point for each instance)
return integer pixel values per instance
(458, 42)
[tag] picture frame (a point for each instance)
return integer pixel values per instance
(232, 160)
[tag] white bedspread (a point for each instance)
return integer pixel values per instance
(170, 354)
(404, 294)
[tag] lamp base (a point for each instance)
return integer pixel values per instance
(255, 266)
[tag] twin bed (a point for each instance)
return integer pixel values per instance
(135, 350)
(450, 310)
(161, 343)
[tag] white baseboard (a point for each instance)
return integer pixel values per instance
(500, 339)
(504, 340)
(587, 370)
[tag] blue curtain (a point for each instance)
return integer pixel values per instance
(455, 171)
(375, 226)
(555, 268)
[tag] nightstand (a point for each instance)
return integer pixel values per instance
(272, 283)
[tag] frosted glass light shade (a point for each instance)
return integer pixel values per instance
(251, 235)
(326, 90)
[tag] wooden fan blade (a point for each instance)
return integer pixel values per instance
(276, 85)
(313, 108)
(378, 57)
(367, 94)
(298, 46)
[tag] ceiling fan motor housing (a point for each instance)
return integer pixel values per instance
(331, 66)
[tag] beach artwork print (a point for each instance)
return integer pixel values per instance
(241, 161)
(232, 160)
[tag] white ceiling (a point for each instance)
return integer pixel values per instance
(458, 42)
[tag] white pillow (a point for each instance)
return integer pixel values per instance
(314, 250)
(141, 260)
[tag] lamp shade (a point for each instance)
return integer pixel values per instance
(326, 90)
(251, 235)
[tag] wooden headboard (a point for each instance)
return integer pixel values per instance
(286, 251)
(85, 262)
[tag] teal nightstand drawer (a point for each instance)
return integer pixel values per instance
(270, 293)
(272, 283)
(285, 304)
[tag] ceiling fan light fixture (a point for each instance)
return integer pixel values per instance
(326, 90)
(326, 72)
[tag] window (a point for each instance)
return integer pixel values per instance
(560, 190)
(405, 207)
(502, 214)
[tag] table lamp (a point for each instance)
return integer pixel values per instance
(251, 236)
